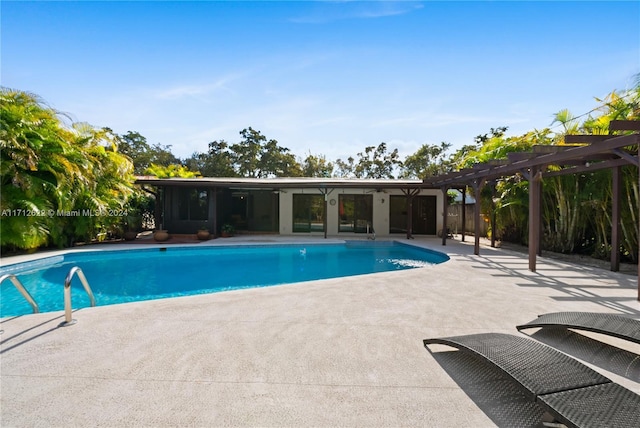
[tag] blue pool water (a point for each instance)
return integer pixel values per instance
(134, 275)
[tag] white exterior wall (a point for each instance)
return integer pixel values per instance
(380, 209)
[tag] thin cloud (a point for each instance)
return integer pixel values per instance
(330, 121)
(443, 120)
(327, 12)
(385, 9)
(195, 91)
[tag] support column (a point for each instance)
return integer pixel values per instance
(464, 212)
(534, 216)
(493, 214)
(539, 216)
(158, 209)
(477, 187)
(445, 214)
(215, 212)
(409, 216)
(324, 214)
(616, 181)
(410, 193)
(326, 193)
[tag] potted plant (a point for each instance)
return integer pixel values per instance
(203, 234)
(228, 230)
(161, 234)
(133, 224)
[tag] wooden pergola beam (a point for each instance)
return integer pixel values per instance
(520, 156)
(587, 139)
(624, 125)
(590, 167)
(543, 150)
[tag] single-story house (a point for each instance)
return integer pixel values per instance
(291, 206)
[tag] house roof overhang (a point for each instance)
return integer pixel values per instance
(283, 183)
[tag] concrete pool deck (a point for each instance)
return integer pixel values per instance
(336, 352)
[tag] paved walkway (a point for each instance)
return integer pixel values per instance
(338, 352)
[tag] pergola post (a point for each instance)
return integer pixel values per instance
(616, 182)
(410, 193)
(464, 212)
(534, 216)
(539, 215)
(493, 214)
(477, 187)
(445, 209)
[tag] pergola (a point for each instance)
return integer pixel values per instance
(581, 153)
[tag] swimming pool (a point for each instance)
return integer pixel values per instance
(145, 274)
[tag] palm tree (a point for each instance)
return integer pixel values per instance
(47, 168)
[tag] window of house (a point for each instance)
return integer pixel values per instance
(193, 204)
(355, 213)
(308, 213)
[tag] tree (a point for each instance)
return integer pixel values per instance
(459, 158)
(135, 146)
(170, 171)
(255, 157)
(345, 169)
(427, 161)
(246, 153)
(493, 133)
(316, 166)
(217, 162)
(103, 190)
(376, 162)
(48, 169)
(276, 161)
(30, 181)
(569, 123)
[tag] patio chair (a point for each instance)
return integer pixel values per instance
(605, 323)
(574, 394)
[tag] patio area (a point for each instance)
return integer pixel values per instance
(336, 352)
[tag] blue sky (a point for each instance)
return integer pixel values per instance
(320, 77)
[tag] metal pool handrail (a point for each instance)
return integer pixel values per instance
(67, 294)
(371, 231)
(14, 279)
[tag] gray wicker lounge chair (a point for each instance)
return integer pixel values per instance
(610, 324)
(571, 392)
